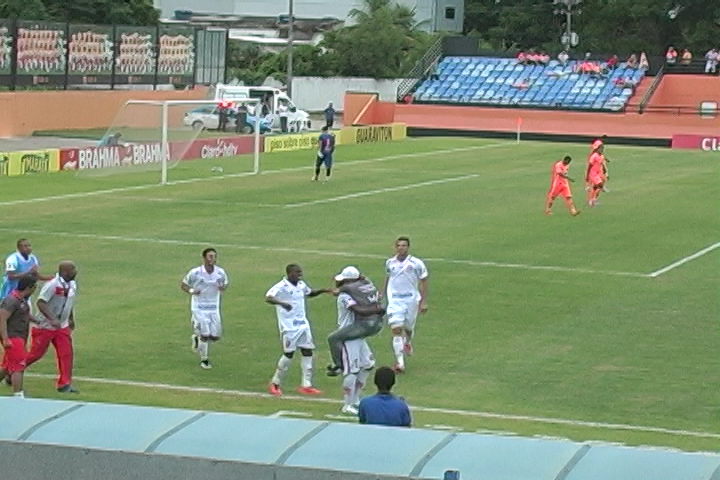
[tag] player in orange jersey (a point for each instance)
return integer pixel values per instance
(600, 142)
(595, 175)
(559, 186)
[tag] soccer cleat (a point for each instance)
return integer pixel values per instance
(350, 410)
(67, 389)
(274, 390)
(548, 212)
(314, 178)
(407, 349)
(194, 341)
(333, 371)
(308, 391)
(576, 213)
(205, 364)
(397, 368)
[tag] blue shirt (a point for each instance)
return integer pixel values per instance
(384, 409)
(16, 263)
(327, 143)
(329, 113)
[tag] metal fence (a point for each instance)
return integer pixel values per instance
(54, 55)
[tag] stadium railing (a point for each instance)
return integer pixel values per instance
(420, 70)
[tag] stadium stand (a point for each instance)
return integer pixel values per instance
(505, 82)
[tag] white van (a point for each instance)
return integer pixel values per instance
(276, 104)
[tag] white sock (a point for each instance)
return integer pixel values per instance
(19, 394)
(282, 368)
(203, 348)
(398, 345)
(306, 365)
(360, 384)
(349, 389)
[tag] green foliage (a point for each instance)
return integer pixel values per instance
(604, 26)
(97, 12)
(384, 42)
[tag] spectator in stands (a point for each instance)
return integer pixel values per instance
(644, 65)
(384, 408)
(711, 61)
(522, 84)
(612, 62)
(671, 56)
(533, 58)
(632, 61)
(686, 58)
(624, 82)
(521, 58)
(544, 58)
(563, 58)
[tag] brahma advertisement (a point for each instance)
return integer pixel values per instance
(706, 143)
(29, 162)
(144, 153)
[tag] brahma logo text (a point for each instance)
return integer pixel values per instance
(103, 157)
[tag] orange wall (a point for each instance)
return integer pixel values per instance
(354, 104)
(686, 90)
(22, 113)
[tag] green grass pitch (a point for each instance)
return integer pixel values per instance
(591, 338)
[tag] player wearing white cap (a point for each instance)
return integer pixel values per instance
(288, 297)
(406, 287)
(362, 300)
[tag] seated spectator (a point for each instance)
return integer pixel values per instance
(563, 58)
(384, 408)
(612, 62)
(686, 57)
(711, 61)
(623, 82)
(632, 61)
(533, 58)
(644, 65)
(521, 58)
(522, 84)
(671, 56)
(544, 58)
(555, 73)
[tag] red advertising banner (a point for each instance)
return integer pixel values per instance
(706, 143)
(213, 148)
(144, 153)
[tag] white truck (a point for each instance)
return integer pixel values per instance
(275, 104)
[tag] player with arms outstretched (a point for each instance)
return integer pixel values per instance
(288, 296)
(205, 285)
(326, 148)
(406, 288)
(559, 186)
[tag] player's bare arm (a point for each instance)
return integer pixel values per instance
(4, 316)
(71, 320)
(315, 293)
(274, 301)
(186, 288)
(422, 286)
(222, 285)
(45, 310)
(381, 292)
(31, 273)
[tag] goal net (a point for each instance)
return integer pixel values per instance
(169, 141)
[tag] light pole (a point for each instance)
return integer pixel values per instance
(291, 33)
(569, 39)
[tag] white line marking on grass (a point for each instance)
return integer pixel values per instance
(339, 164)
(684, 260)
(190, 201)
(381, 190)
(326, 253)
(444, 411)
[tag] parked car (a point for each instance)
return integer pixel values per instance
(208, 117)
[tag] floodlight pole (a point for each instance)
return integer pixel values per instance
(567, 9)
(291, 34)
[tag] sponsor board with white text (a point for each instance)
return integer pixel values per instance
(706, 143)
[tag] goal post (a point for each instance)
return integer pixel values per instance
(167, 137)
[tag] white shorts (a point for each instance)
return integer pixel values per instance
(206, 323)
(403, 313)
(295, 339)
(357, 356)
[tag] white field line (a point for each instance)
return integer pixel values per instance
(249, 174)
(444, 411)
(190, 201)
(381, 190)
(327, 253)
(684, 260)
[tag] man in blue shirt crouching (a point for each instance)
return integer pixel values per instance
(384, 408)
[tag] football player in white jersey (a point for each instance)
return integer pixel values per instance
(406, 288)
(357, 359)
(205, 285)
(288, 297)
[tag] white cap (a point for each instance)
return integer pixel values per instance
(348, 273)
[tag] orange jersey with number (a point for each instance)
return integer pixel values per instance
(596, 162)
